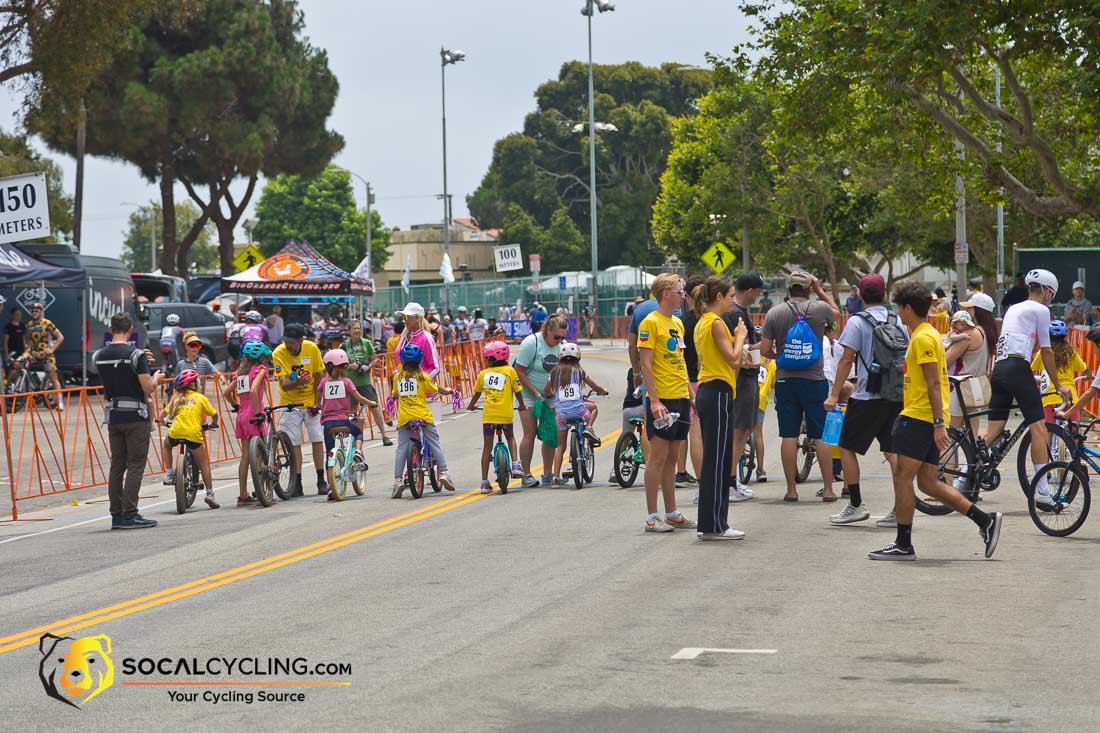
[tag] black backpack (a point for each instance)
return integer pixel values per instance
(886, 372)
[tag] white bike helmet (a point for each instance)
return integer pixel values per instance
(569, 350)
(1045, 278)
(172, 319)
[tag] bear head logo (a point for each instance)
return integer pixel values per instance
(75, 670)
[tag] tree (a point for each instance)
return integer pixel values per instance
(320, 210)
(143, 226)
(230, 91)
(544, 169)
(16, 156)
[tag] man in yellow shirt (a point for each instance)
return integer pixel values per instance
(664, 372)
(297, 367)
(919, 432)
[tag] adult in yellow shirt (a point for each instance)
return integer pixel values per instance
(297, 367)
(920, 433)
(664, 372)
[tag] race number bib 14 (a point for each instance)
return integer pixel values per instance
(335, 390)
(243, 384)
(569, 393)
(407, 388)
(494, 381)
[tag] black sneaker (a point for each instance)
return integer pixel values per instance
(685, 480)
(893, 552)
(322, 488)
(122, 523)
(296, 490)
(139, 522)
(992, 533)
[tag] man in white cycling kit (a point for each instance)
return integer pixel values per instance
(1024, 324)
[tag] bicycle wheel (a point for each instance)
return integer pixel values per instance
(262, 484)
(502, 462)
(433, 473)
(1068, 485)
(746, 462)
(282, 468)
(588, 462)
(358, 473)
(575, 458)
(415, 475)
(957, 468)
(626, 470)
(1061, 449)
(807, 454)
(337, 479)
(182, 477)
(194, 478)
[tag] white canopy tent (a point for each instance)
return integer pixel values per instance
(618, 276)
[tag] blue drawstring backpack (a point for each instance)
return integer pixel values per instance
(801, 348)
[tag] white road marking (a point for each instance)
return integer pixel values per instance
(693, 652)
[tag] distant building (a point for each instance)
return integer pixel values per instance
(471, 247)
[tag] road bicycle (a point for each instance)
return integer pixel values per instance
(188, 476)
(746, 462)
(29, 378)
(502, 459)
(629, 458)
(420, 463)
(1067, 485)
(977, 469)
(271, 459)
(807, 456)
(343, 466)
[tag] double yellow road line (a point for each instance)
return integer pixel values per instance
(126, 608)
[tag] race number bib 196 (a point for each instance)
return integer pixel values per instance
(335, 391)
(494, 381)
(406, 387)
(243, 383)
(569, 393)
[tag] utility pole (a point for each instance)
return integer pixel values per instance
(745, 248)
(962, 250)
(370, 200)
(78, 204)
(1000, 206)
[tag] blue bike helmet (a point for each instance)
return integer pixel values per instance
(255, 350)
(1059, 328)
(411, 354)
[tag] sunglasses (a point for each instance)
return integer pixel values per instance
(557, 336)
(195, 345)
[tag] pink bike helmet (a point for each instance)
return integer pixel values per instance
(336, 357)
(496, 350)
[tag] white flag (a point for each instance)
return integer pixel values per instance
(445, 270)
(408, 272)
(362, 271)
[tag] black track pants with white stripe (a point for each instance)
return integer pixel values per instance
(714, 403)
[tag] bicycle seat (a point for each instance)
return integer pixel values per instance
(415, 424)
(574, 421)
(338, 431)
(637, 421)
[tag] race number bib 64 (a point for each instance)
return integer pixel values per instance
(407, 387)
(335, 391)
(243, 383)
(569, 393)
(494, 381)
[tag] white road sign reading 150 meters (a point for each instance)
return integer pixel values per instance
(24, 209)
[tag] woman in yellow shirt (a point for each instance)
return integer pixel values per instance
(411, 387)
(719, 359)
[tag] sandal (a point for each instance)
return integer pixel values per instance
(829, 498)
(791, 498)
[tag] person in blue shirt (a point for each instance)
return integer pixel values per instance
(855, 303)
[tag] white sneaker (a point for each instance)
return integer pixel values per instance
(170, 477)
(529, 482)
(729, 534)
(695, 499)
(398, 488)
(445, 479)
(851, 514)
(890, 520)
(517, 469)
(1045, 502)
(744, 489)
(679, 521)
(737, 495)
(656, 525)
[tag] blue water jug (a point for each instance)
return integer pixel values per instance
(834, 421)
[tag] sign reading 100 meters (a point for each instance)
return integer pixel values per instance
(509, 257)
(24, 209)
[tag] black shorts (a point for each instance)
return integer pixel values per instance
(1012, 381)
(488, 430)
(746, 403)
(915, 439)
(866, 420)
(368, 391)
(677, 430)
(183, 441)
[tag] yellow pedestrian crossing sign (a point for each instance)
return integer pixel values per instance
(718, 257)
(248, 257)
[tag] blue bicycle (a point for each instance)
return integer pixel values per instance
(420, 462)
(1067, 486)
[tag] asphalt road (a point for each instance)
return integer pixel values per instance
(551, 610)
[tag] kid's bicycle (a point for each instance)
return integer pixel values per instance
(582, 451)
(1067, 486)
(271, 459)
(188, 476)
(746, 462)
(628, 454)
(344, 467)
(419, 464)
(502, 459)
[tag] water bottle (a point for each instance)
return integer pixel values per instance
(834, 421)
(667, 422)
(999, 443)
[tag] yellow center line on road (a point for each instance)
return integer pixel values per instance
(126, 608)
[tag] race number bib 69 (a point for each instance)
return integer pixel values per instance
(335, 391)
(407, 388)
(243, 383)
(494, 381)
(569, 393)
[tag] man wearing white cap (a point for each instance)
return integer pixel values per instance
(1078, 309)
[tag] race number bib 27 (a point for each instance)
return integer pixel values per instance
(407, 388)
(569, 393)
(494, 381)
(243, 384)
(335, 391)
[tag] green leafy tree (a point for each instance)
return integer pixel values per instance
(320, 210)
(544, 169)
(17, 156)
(143, 227)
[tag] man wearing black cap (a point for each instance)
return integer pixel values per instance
(1016, 294)
(746, 402)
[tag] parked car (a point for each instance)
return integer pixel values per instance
(204, 288)
(193, 317)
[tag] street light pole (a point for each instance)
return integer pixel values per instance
(594, 232)
(446, 57)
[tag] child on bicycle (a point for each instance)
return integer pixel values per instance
(186, 414)
(1068, 363)
(564, 389)
(411, 387)
(246, 391)
(499, 382)
(335, 393)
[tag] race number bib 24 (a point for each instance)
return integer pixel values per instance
(243, 384)
(407, 388)
(335, 390)
(494, 381)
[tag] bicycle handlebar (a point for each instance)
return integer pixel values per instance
(289, 406)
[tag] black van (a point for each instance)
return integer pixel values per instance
(110, 290)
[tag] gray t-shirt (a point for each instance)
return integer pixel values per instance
(859, 336)
(778, 322)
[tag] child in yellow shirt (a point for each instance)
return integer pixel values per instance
(1068, 363)
(767, 382)
(187, 412)
(411, 387)
(500, 385)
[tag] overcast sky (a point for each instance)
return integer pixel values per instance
(386, 57)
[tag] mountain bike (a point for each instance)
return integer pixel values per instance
(1068, 486)
(977, 470)
(188, 476)
(271, 459)
(746, 462)
(628, 454)
(502, 459)
(344, 467)
(420, 462)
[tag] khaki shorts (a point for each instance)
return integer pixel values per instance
(292, 421)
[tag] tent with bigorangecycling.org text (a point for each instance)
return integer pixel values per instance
(297, 269)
